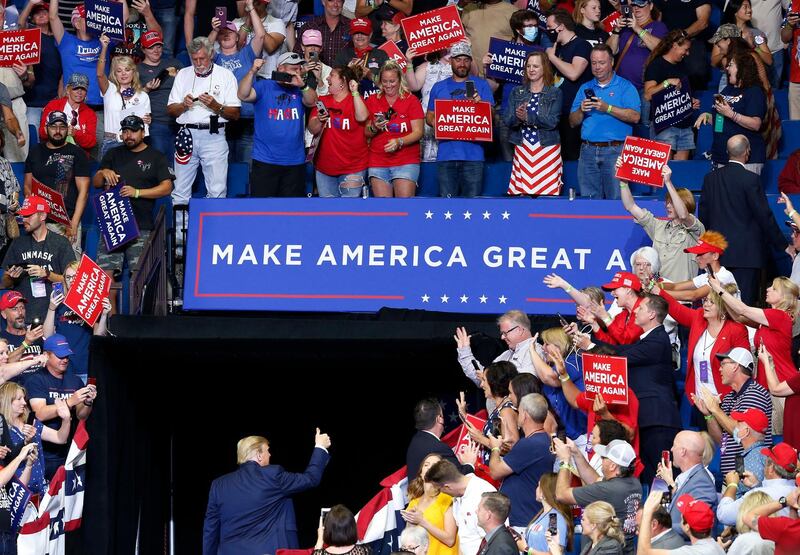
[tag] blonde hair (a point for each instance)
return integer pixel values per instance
(751, 501)
(416, 487)
(578, 16)
(719, 302)
(559, 338)
(8, 391)
(391, 65)
(710, 448)
(248, 446)
(595, 293)
(687, 197)
(125, 62)
(789, 293)
(602, 515)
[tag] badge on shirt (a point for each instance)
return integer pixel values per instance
(38, 288)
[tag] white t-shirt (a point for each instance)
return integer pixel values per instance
(723, 275)
(702, 357)
(464, 511)
(271, 25)
(221, 84)
(115, 108)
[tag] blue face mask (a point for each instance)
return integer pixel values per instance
(530, 33)
(736, 437)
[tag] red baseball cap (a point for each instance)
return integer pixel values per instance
(623, 279)
(10, 299)
(702, 248)
(43, 6)
(697, 514)
(34, 204)
(151, 38)
(782, 454)
(754, 418)
(361, 25)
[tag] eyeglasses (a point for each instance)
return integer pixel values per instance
(409, 547)
(507, 332)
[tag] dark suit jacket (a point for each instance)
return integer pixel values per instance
(733, 202)
(250, 510)
(501, 543)
(651, 377)
(423, 444)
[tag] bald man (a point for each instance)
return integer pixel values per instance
(687, 454)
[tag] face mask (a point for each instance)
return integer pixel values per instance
(552, 34)
(530, 33)
(736, 437)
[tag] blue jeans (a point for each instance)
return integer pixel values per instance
(777, 68)
(169, 23)
(8, 543)
(596, 171)
(108, 144)
(240, 140)
(162, 138)
(346, 185)
(460, 178)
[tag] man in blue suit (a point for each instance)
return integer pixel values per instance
(250, 510)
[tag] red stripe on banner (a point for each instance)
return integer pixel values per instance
(81, 437)
(368, 512)
(36, 526)
(541, 300)
(57, 482)
(299, 296)
(357, 214)
(71, 525)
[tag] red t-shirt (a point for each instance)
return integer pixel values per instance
(791, 413)
(784, 531)
(343, 146)
(778, 341)
(794, 66)
(406, 110)
(625, 414)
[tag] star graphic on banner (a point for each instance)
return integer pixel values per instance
(486, 215)
(428, 215)
(464, 298)
(445, 298)
(505, 215)
(425, 298)
(502, 299)
(467, 215)
(448, 215)
(453, 417)
(483, 299)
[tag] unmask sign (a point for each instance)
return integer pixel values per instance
(642, 161)
(463, 120)
(20, 46)
(607, 376)
(90, 286)
(433, 30)
(105, 17)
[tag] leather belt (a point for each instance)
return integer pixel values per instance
(206, 126)
(606, 143)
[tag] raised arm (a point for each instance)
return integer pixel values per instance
(776, 387)
(681, 211)
(554, 281)
(55, 23)
(102, 80)
(246, 93)
(737, 307)
(627, 197)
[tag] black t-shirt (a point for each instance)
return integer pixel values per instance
(159, 96)
(143, 170)
(659, 70)
(592, 36)
(47, 73)
(57, 168)
(679, 14)
(422, 6)
(577, 47)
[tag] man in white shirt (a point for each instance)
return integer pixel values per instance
(708, 250)
(203, 99)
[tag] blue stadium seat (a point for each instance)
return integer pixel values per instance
(495, 179)
(34, 134)
(782, 102)
(705, 138)
(238, 179)
(689, 173)
(769, 176)
(790, 139)
(428, 184)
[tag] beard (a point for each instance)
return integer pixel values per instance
(58, 141)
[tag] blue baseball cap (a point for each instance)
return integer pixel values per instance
(58, 345)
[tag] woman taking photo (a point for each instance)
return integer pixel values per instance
(123, 95)
(740, 13)
(435, 68)
(432, 510)
(604, 529)
(532, 114)
(338, 535)
(15, 410)
(587, 15)
(341, 157)
(395, 129)
(665, 70)
(535, 539)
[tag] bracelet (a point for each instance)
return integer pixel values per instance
(792, 213)
(607, 320)
(221, 110)
(401, 142)
(708, 416)
(137, 194)
(568, 289)
(564, 378)
(622, 185)
(495, 449)
(24, 345)
(354, 94)
(665, 84)
(732, 486)
(609, 109)
(642, 33)
(566, 465)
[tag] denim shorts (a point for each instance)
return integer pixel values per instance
(389, 174)
(680, 139)
(345, 185)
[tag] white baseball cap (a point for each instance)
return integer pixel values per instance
(618, 451)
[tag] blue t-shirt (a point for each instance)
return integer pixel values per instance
(47, 73)
(535, 533)
(452, 90)
(747, 102)
(239, 64)
(78, 335)
(529, 459)
(599, 126)
(279, 124)
(80, 56)
(574, 420)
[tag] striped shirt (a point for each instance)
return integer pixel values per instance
(750, 396)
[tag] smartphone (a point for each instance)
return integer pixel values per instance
(475, 365)
(470, 88)
(740, 466)
(561, 434)
(321, 108)
(31, 418)
(497, 427)
(710, 270)
(626, 10)
(719, 98)
(281, 77)
(666, 497)
(314, 56)
(163, 74)
(91, 381)
(562, 320)
(552, 526)
(514, 534)
(36, 322)
(665, 456)
(58, 288)
(323, 512)
(589, 94)
(221, 13)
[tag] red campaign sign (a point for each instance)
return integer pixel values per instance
(433, 30)
(58, 212)
(608, 22)
(642, 161)
(607, 376)
(463, 433)
(23, 46)
(90, 286)
(394, 53)
(463, 120)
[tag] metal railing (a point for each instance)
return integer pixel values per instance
(149, 278)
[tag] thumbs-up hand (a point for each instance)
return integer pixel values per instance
(322, 440)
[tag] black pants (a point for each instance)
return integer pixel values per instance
(570, 139)
(272, 180)
(749, 282)
(652, 441)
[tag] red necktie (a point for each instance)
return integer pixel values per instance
(482, 546)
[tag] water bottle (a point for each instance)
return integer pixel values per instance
(364, 191)
(571, 193)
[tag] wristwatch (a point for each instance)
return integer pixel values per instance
(783, 502)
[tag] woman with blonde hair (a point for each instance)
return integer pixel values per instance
(604, 529)
(587, 15)
(535, 539)
(123, 95)
(432, 510)
(14, 408)
(395, 128)
(750, 542)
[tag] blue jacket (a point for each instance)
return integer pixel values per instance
(545, 120)
(250, 510)
(700, 486)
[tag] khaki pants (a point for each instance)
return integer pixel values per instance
(794, 100)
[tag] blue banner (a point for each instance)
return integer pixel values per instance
(115, 218)
(508, 60)
(105, 17)
(449, 255)
(18, 497)
(671, 106)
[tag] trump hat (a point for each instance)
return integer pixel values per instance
(361, 25)
(697, 514)
(754, 418)
(34, 204)
(782, 455)
(151, 38)
(10, 299)
(623, 279)
(58, 345)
